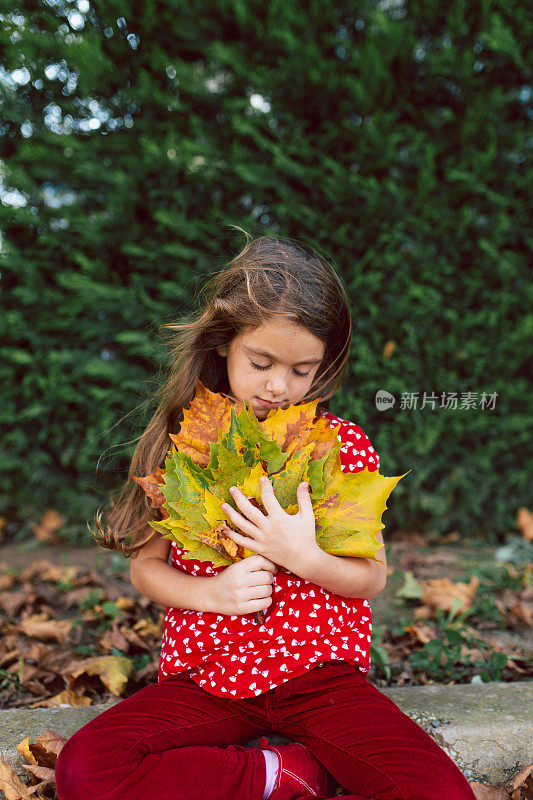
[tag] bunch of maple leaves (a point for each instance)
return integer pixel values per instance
(222, 444)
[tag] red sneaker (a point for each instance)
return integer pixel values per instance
(299, 769)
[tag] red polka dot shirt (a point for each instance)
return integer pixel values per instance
(306, 625)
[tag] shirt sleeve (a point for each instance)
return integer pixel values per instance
(357, 452)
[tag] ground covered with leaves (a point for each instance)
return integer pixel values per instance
(454, 614)
(74, 634)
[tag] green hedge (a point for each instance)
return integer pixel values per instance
(391, 136)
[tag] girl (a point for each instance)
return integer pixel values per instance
(274, 330)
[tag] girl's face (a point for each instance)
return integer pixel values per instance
(273, 365)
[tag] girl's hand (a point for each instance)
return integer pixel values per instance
(244, 587)
(281, 537)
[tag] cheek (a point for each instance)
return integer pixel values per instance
(308, 385)
(244, 377)
(307, 382)
(310, 378)
(299, 387)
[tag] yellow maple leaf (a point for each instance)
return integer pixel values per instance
(251, 487)
(293, 429)
(324, 437)
(113, 671)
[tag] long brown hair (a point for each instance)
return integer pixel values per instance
(270, 276)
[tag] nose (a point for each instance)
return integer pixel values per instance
(276, 383)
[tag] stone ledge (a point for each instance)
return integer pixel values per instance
(486, 729)
(18, 723)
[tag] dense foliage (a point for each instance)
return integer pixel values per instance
(391, 135)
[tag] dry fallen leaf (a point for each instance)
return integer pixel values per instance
(57, 573)
(36, 656)
(524, 523)
(454, 536)
(46, 778)
(389, 349)
(66, 697)
(149, 672)
(24, 750)
(147, 627)
(422, 633)
(483, 791)
(522, 776)
(523, 612)
(441, 593)
(113, 671)
(36, 569)
(13, 601)
(522, 785)
(46, 529)
(113, 638)
(516, 606)
(125, 603)
(10, 784)
(6, 581)
(40, 627)
(50, 523)
(133, 638)
(47, 747)
(42, 756)
(25, 672)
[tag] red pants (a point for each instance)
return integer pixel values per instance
(175, 741)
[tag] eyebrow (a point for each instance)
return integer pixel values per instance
(310, 361)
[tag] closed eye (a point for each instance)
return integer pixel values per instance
(259, 366)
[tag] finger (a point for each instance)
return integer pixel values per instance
(241, 522)
(268, 497)
(248, 509)
(256, 562)
(259, 592)
(303, 496)
(257, 605)
(261, 578)
(242, 540)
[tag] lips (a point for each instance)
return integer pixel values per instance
(268, 403)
